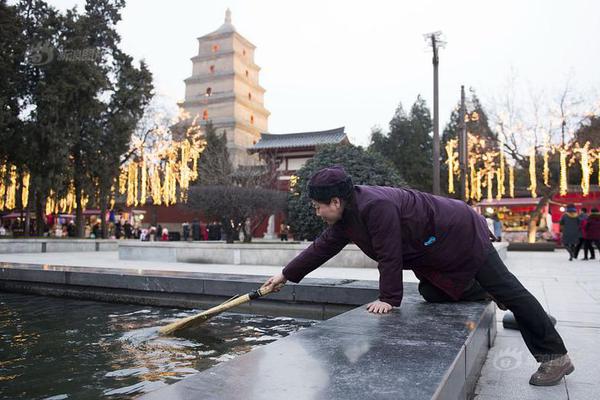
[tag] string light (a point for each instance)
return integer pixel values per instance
(532, 175)
(511, 181)
(585, 168)
(451, 161)
(563, 171)
(490, 183)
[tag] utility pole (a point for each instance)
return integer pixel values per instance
(434, 40)
(463, 145)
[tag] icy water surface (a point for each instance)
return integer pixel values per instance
(57, 348)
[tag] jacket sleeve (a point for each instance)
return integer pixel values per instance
(328, 244)
(382, 218)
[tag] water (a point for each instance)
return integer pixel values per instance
(57, 348)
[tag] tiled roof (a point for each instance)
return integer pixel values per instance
(301, 139)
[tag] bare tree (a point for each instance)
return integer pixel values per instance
(234, 205)
(540, 126)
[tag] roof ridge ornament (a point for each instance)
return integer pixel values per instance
(228, 16)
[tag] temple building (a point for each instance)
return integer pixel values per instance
(290, 151)
(224, 88)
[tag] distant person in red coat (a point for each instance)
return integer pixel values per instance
(444, 241)
(592, 228)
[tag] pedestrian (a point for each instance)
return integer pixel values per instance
(185, 227)
(118, 229)
(165, 235)
(570, 226)
(284, 229)
(584, 241)
(128, 229)
(592, 230)
(196, 230)
(444, 241)
(97, 230)
(497, 227)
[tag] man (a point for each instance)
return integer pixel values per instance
(444, 241)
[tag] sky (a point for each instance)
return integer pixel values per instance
(331, 63)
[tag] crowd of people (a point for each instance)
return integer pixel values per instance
(580, 230)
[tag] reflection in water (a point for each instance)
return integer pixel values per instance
(56, 348)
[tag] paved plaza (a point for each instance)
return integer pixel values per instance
(570, 291)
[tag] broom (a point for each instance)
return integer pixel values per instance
(211, 312)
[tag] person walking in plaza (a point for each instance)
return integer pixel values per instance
(592, 230)
(444, 241)
(570, 227)
(284, 230)
(584, 241)
(497, 227)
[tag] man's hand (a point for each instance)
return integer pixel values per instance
(275, 282)
(379, 307)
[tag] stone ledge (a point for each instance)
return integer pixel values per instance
(244, 254)
(37, 245)
(419, 351)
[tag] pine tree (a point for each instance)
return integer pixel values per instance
(408, 145)
(214, 165)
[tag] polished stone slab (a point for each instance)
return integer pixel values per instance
(419, 351)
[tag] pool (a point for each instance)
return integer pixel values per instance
(60, 348)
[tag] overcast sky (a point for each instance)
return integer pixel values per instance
(349, 63)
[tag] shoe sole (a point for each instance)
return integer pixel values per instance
(557, 381)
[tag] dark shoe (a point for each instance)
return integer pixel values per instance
(550, 373)
(509, 321)
(584, 259)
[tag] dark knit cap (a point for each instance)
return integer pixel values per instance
(330, 182)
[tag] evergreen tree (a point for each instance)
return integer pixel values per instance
(365, 168)
(214, 165)
(408, 145)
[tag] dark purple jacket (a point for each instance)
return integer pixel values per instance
(592, 227)
(442, 240)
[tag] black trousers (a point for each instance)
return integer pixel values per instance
(587, 245)
(539, 334)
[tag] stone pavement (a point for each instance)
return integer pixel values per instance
(568, 290)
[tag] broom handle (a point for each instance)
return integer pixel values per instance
(241, 300)
(172, 327)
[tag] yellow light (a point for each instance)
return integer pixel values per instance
(143, 182)
(450, 161)
(10, 202)
(25, 191)
(478, 185)
(532, 175)
(490, 183)
(2, 186)
(511, 181)
(473, 178)
(586, 170)
(563, 171)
